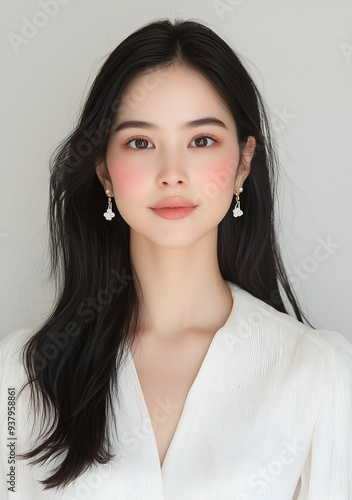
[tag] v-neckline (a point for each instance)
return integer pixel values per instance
(195, 383)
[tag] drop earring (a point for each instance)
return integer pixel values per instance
(109, 214)
(237, 212)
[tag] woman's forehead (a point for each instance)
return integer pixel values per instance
(176, 91)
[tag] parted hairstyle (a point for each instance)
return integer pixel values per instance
(72, 361)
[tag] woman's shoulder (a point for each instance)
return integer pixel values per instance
(259, 315)
(273, 323)
(335, 349)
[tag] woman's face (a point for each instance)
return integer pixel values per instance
(171, 155)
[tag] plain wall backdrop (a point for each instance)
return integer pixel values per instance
(298, 52)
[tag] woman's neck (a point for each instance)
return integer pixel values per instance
(182, 288)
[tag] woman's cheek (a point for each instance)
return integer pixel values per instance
(220, 174)
(125, 178)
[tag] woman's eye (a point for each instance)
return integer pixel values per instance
(138, 141)
(203, 141)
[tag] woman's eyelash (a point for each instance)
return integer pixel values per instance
(205, 136)
(201, 136)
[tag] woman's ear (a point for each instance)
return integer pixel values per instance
(245, 166)
(104, 177)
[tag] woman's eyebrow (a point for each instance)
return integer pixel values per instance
(190, 124)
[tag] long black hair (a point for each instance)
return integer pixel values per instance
(72, 361)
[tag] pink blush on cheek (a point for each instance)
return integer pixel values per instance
(222, 173)
(126, 177)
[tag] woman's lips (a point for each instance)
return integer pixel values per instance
(173, 213)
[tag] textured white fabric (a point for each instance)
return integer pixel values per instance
(269, 414)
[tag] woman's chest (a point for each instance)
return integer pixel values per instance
(166, 371)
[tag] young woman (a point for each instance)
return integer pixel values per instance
(169, 367)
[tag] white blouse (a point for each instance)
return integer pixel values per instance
(269, 416)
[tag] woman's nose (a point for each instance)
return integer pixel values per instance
(172, 169)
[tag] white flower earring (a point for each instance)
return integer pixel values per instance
(109, 214)
(237, 212)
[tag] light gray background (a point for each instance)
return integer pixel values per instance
(300, 55)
